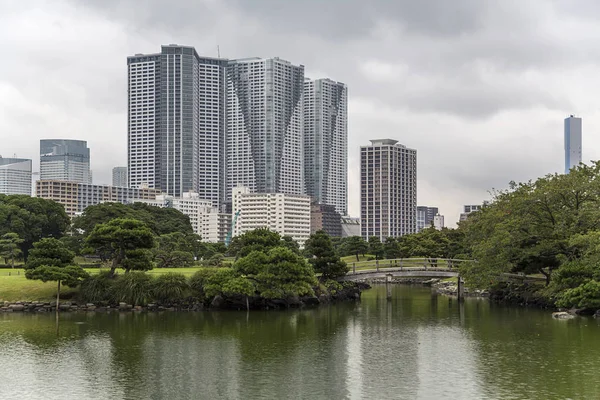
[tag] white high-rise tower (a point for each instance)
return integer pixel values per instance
(326, 142)
(572, 142)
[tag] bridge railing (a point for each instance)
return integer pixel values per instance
(430, 263)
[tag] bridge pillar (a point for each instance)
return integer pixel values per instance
(377, 265)
(353, 268)
(388, 286)
(460, 288)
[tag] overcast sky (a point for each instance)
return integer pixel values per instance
(480, 88)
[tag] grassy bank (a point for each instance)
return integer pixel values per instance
(15, 287)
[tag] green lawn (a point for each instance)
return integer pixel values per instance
(15, 287)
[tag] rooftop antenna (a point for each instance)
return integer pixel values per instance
(218, 52)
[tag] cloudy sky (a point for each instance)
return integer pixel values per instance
(480, 88)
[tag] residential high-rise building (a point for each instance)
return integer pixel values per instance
(176, 131)
(425, 216)
(119, 177)
(65, 160)
(286, 214)
(438, 222)
(572, 142)
(324, 217)
(15, 176)
(326, 142)
(388, 189)
(265, 126)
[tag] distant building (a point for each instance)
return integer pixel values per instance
(206, 220)
(326, 142)
(324, 217)
(65, 160)
(438, 222)
(468, 209)
(350, 226)
(425, 216)
(76, 197)
(119, 177)
(388, 189)
(572, 142)
(286, 214)
(15, 176)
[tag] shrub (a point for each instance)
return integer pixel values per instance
(133, 288)
(216, 260)
(584, 296)
(199, 280)
(97, 288)
(170, 288)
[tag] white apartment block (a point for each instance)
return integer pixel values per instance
(119, 177)
(388, 189)
(205, 219)
(15, 176)
(286, 214)
(326, 142)
(438, 222)
(265, 126)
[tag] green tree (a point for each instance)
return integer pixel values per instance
(376, 247)
(356, 245)
(32, 218)
(277, 273)
(173, 250)
(323, 257)
(125, 242)
(9, 247)
(259, 239)
(391, 248)
(290, 243)
(50, 260)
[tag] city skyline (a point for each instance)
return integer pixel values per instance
(399, 88)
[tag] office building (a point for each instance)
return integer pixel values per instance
(324, 217)
(326, 142)
(15, 176)
(388, 189)
(468, 209)
(572, 142)
(206, 220)
(438, 222)
(350, 226)
(176, 122)
(65, 160)
(76, 197)
(265, 126)
(286, 214)
(119, 177)
(425, 216)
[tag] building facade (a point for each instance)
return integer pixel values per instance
(286, 214)
(206, 220)
(265, 126)
(468, 209)
(65, 160)
(438, 222)
(326, 142)
(119, 177)
(324, 217)
(350, 226)
(572, 142)
(388, 189)
(15, 176)
(176, 122)
(425, 216)
(76, 197)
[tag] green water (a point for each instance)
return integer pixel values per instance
(414, 346)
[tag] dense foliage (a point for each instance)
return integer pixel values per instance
(323, 258)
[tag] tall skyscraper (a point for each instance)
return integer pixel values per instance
(572, 142)
(265, 126)
(425, 216)
(65, 160)
(15, 176)
(388, 189)
(119, 177)
(326, 142)
(176, 132)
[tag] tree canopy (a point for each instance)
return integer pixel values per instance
(323, 258)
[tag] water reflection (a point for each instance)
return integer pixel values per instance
(414, 345)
